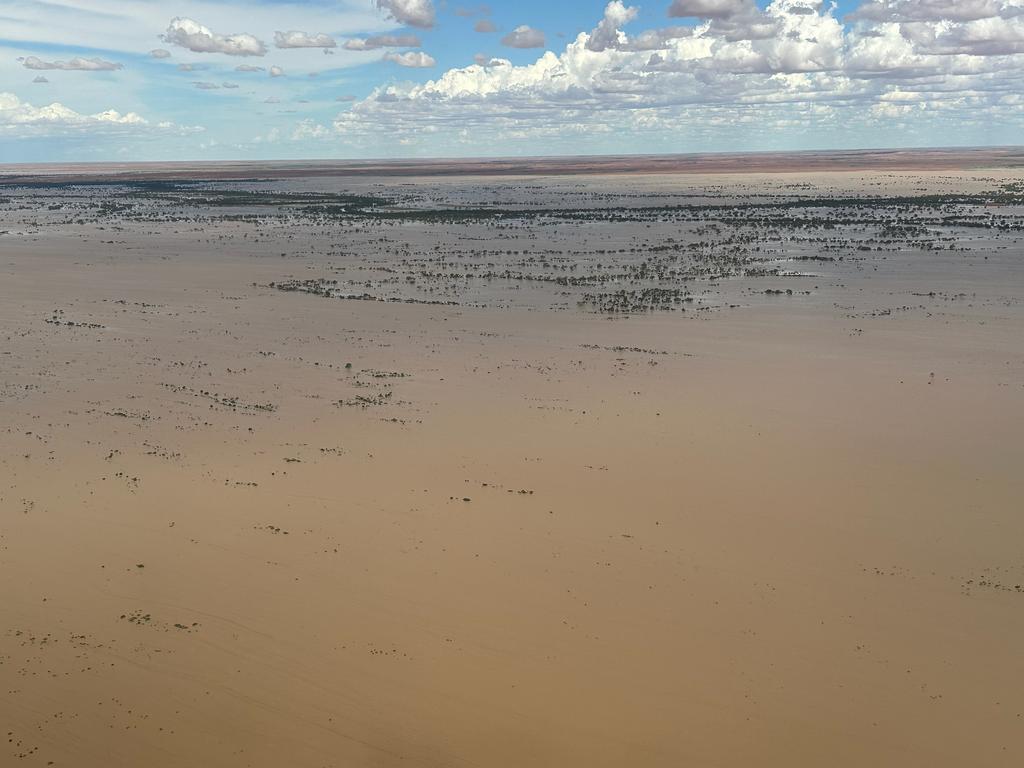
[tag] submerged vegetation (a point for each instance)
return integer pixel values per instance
(519, 244)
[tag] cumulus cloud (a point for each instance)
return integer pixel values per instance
(524, 36)
(249, 68)
(976, 37)
(276, 71)
(20, 119)
(382, 41)
(484, 26)
(40, 79)
(654, 39)
(411, 59)
(160, 53)
(308, 130)
(415, 13)
(77, 63)
(192, 35)
(296, 39)
(606, 35)
(917, 28)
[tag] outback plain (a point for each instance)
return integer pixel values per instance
(514, 465)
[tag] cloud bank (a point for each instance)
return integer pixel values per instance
(791, 66)
(21, 119)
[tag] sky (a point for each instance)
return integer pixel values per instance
(151, 80)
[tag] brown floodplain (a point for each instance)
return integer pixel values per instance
(620, 469)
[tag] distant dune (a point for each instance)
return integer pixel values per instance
(760, 162)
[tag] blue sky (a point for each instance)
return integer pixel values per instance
(158, 79)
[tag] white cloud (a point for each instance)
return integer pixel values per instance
(415, 13)
(77, 63)
(411, 59)
(276, 71)
(307, 130)
(607, 35)
(524, 37)
(21, 119)
(382, 41)
(249, 68)
(160, 53)
(40, 79)
(296, 39)
(992, 36)
(484, 26)
(190, 34)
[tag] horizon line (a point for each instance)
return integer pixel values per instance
(868, 158)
